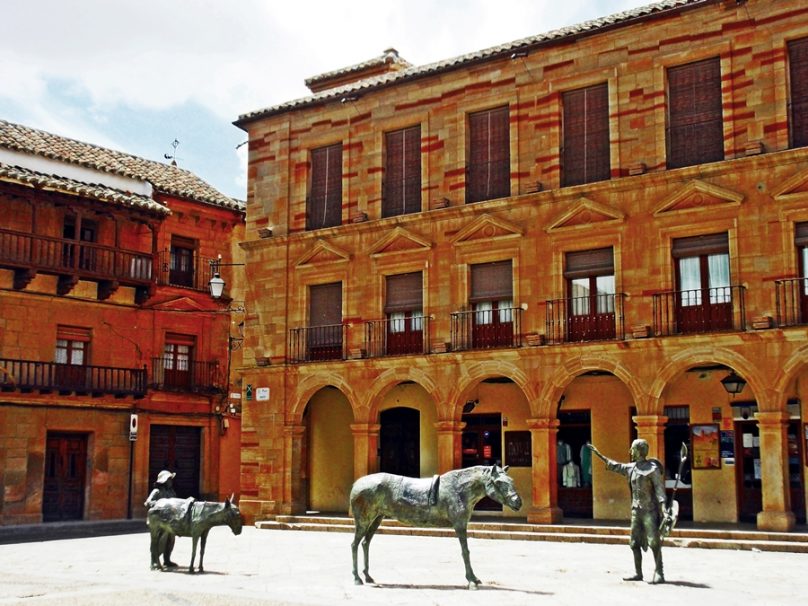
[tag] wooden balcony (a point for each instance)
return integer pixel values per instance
(792, 301)
(486, 329)
(704, 310)
(72, 260)
(396, 337)
(317, 343)
(197, 276)
(30, 375)
(169, 374)
(580, 319)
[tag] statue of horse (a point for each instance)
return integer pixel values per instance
(445, 501)
(188, 518)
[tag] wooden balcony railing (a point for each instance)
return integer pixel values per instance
(699, 311)
(169, 374)
(792, 301)
(486, 329)
(50, 376)
(63, 256)
(576, 319)
(197, 276)
(395, 337)
(317, 343)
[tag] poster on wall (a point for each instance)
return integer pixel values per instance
(728, 447)
(706, 444)
(518, 449)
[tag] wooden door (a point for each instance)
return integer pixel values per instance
(747, 469)
(482, 445)
(65, 475)
(176, 448)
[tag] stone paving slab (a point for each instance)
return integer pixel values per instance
(270, 567)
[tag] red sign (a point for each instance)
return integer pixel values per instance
(486, 452)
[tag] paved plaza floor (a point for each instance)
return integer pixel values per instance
(262, 567)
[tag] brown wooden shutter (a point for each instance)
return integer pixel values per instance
(402, 172)
(180, 339)
(489, 161)
(404, 292)
(801, 234)
(696, 246)
(73, 333)
(798, 75)
(587, 263)
(585, 154)
(324, 204)
(325, 304)
(695, 126)
(491, 281)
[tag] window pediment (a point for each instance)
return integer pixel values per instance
(698, 196)
(399, 240)
(585, 213)
(323, 253)
(794, 188)
(487, 227)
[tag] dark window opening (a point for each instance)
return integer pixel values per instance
(402, 172)
(489, 161)
(324, 203)
(585, 152)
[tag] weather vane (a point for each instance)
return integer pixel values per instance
(173, 155)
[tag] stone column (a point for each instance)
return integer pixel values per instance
(294, 501)
(450, 442)
(651, 428)
(776, 514)
(366, 447)
(544, 500)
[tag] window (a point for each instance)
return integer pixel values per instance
(181, 268)
(801, 241)
(324, 203)
(178, 354)
(404, 310)
(72, 354)
(585, 152)
(492, 304)
(704, 300)
(695, 128)
(798, 75)
(86, 232)
(402, 172)
(591, 292)
(325, 339)
(489, 161)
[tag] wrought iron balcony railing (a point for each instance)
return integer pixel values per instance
(699, 311)
(50, 376)
(576, 319)
(170, 374)
(792, 301)
(486, 329)
(394, 337)
(317, 343)
(196, 275)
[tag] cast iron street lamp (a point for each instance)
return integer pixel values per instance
(733, 383)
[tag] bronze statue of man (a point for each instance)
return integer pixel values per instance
(163, 489)
(647, 482)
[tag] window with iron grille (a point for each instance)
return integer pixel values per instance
(695, 123)
(798, 106)
(178, 354)
(402, 172)
(585, 152)
(181, 271)
(489, 159)
(492, 292)
(324, 202)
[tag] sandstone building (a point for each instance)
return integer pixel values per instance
(589, 234)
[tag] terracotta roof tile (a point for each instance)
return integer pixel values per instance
(388, 57)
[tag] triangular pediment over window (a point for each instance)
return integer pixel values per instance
(178, 304)
(794, 188)
(488, 227)
(399, 240)
(698, 196)
(586, 212)
(323, 253)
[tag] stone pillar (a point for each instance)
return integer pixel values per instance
(651, 428)
(776, 514)
(450, 442)
(366, 447)
(294, 499)
(544, 500)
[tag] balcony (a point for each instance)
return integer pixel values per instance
(792, 301)
(486, 329)
(50, 376)
(317, 343)
(395, 337)
(169, 374)
(72, 260)
(173, 272)
(703, 310)
(580, 319)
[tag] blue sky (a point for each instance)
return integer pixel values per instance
(136, 75)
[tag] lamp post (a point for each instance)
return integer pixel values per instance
(216, 283)
(733, 383)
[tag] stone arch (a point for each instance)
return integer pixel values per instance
(683, 360)
(484, 370)
(388, 380)
(311, 385)
(566, 373)
(796, 363)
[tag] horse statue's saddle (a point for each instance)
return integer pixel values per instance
(421, 492)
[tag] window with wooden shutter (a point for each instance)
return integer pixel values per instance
(72, 345)
(798, 75)
(324, 203)
(402, 172)
(491, 281)
(585, 152)
(695, 126)
(404, 293)
(325, 304)
(489, 161)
